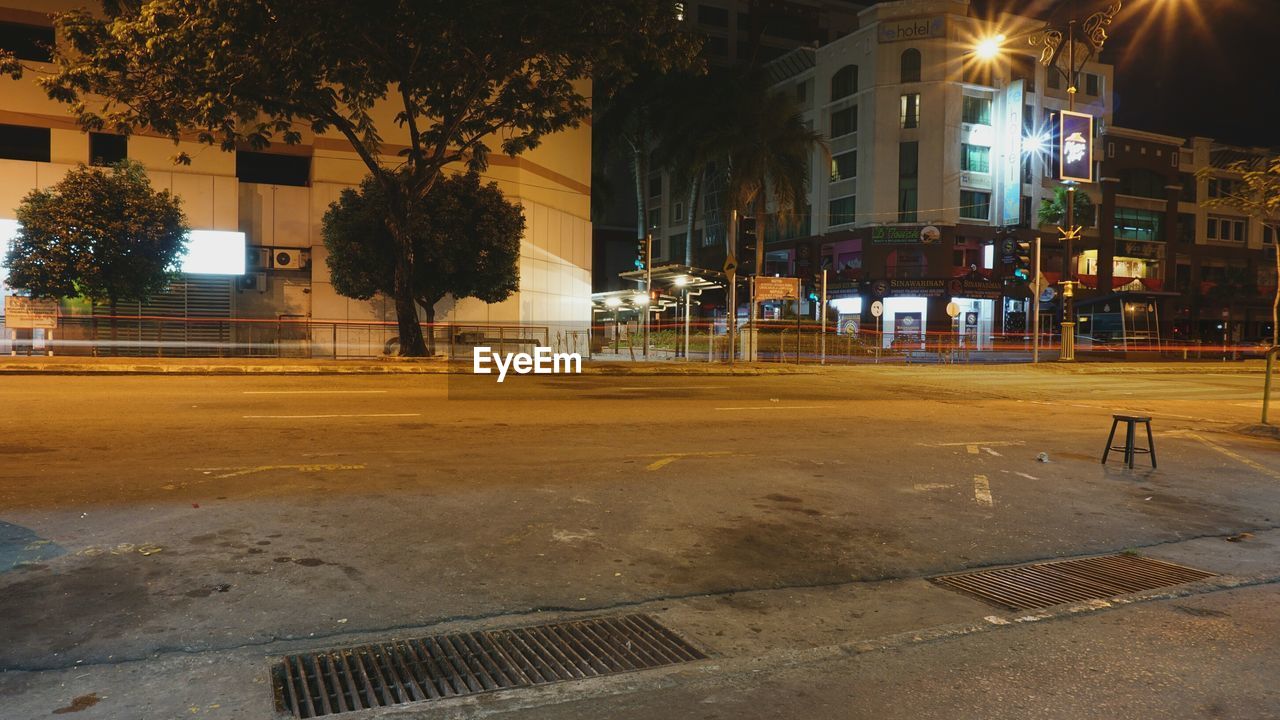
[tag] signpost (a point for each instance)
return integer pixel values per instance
(731, 270)
(25, 313)
(822, 318)
(1036, 290)
(777, 288)
(877, 310)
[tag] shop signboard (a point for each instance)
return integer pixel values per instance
(912, 29)
(905, 235)
(25, 313)
(1011, 182)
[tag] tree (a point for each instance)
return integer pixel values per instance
(1257, 193)
(457, 77)
(1054, 211)
(738, 122)
(466, 243)
(106, 235)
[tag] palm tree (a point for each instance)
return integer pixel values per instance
(1054, 212)
(737, 122)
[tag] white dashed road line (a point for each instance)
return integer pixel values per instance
(982, 490)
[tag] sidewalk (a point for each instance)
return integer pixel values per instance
(744, 633)
(375, 366)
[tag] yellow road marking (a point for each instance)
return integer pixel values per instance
(973, 449)
(1237, 457)
(298, 468)
(982, 490)
(659, 464)
(685, 454)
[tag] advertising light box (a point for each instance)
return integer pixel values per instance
(1076, 146)
(214, 252)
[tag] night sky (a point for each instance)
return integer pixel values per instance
(1188, 67)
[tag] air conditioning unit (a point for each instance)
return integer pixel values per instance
(288, 259)
(257, 258)
(254, 281)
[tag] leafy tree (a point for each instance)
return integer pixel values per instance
(1257, 193)
(1054, 211)
(106, 235)
(457, 78)
(465, 236)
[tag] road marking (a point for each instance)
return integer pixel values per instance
(989, 451)
(779, 407)
(675, 387)
(975, 443)
(314, 392)
(300, 468)
(973, 449)
(659, 464)
(302, 417)
(1024, 475)
(982, 491)
(925, 487)
(1237, 457)
(665, 459)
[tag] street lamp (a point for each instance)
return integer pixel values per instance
(1081, 40)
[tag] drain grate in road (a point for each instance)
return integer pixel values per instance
(431, 668)
(1065, 581)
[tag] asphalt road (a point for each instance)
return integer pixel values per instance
(146, 515)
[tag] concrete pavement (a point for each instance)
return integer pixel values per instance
(162, 528)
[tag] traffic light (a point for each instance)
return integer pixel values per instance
(1022, 268)
(642, 252)
(745, 245)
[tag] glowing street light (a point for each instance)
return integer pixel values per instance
(989, 48)
(613, 301)
(640, 299)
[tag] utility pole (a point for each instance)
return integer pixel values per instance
(822, 318)
(648, 288)
(733, 285)
(1068, 353)
(1035, 304)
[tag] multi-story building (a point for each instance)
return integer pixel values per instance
(269, 205)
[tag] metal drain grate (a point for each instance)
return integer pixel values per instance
(1065, 581)
(369, 676)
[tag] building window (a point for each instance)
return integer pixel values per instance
(675, 245)
(18, 142)
(1053, 78)
(1268, 235)
(844, 166)
(845, 82)
(107, 149)
(910, 65)
(844, 121)
(1023, 67)
(1186, 228)
(802, 92)
(655, 186)
(1139, 182)
(27, 42)
(1221, 187)
(677, 212)
(1188, 192)
(713, 16)
(911, 110)
(908, 181)
(268, 169)
(975, 205)
(1228, 229)
(977, 110)
(1091, 83)
(1134, 224)
(975, 158)
(655, 217)
(842, 210)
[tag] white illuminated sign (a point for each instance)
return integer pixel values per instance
(209, 252)
(214, 252)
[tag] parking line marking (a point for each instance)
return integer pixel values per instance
(779, 407)
(1237, 457)
(314, 392)
(300, 468)
(310, 417)
(982, 490)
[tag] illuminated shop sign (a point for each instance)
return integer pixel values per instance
(1011, 207)
(915, 29)
(1076, 148)
(209, 252)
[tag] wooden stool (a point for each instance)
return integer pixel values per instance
(1128, 448)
